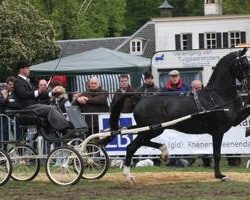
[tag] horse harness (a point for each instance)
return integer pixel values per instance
(200, 107)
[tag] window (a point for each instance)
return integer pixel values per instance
(136, 47)
(210, 41)
(183, 41)
(234, 39)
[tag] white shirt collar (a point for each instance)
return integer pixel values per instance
(23, 77)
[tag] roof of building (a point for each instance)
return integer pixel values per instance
(166, 5)
(147, 33)
(71, 47)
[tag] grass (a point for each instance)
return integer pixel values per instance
(116, 190)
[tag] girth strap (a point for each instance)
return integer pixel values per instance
(200, 108)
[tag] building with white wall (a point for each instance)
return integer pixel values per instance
(211, 31)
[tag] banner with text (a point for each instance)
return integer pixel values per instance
(234, 140)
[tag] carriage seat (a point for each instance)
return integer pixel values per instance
(26, 118)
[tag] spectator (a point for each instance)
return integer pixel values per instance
(197, 85)
(92, 101)
(8, 102)
(59, 80)
(175, 83)
(43, 98)
(129, 102)
(27, 98)
(148, 87)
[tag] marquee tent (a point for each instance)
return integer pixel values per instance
(97, 61)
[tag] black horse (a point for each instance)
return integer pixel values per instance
(220, 93)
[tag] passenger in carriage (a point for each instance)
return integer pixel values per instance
(94, 100)
(27, 98)
(176, 84)
(149, 87)
(60, 98)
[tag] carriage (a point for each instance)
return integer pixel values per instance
(223, 109)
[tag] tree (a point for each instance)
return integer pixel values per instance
(141, 11)
(103, 18)
(23, 33)
(236, 6)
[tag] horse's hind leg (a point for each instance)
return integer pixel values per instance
(217, 140)
(143, 139)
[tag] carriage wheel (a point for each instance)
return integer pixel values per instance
(61, 166)
(25, 163)
(5, 167)
(95, 160)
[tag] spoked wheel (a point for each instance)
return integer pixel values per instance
(25, 163)
(95, 160)
(5, 167)
(64, 166)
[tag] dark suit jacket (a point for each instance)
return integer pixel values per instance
(24, 92)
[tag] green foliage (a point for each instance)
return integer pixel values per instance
(74, 19)
(23, 33)
(236, 6)
(141, 11)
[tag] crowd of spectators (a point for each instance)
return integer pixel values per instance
(52, 97)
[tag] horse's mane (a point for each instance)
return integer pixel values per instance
(225, 62)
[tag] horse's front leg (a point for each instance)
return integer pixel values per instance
(217, 140)
(130, 151)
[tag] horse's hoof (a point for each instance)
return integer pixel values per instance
(131, 180)
(164, 153)
(225, 179)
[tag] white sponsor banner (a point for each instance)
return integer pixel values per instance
(234, 140)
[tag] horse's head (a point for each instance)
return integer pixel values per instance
(241, 69)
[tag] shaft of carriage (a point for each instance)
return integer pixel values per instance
(82, 146)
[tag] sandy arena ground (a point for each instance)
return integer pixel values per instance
(147, 178)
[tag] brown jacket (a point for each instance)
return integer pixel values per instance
(97, 103)
(129, 103)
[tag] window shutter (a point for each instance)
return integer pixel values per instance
(243, 37)
(177, 42)
(189, 42)
(201, 41)
(225, 40)
(218, 38)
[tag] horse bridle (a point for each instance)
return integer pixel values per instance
(241, 60)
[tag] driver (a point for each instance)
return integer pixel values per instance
(27, 98)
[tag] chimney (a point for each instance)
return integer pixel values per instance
(212, 7)
(166, 9)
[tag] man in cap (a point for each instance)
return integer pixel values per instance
(27, 98)
(149, 86)
(175, 83)
(176, 86)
